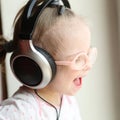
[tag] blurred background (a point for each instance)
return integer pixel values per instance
(99, 97)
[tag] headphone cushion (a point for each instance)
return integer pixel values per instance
(49, 58)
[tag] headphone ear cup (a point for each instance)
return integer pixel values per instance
(32, 66)
(49, 58)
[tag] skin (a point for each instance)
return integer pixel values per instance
(76, 39)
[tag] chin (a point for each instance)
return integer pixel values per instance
(72, 93)
(73, 90)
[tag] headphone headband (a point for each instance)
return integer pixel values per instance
(29, 20)
(33, 66)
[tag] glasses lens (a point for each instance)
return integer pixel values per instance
(80, 61)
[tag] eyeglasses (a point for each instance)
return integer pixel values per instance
(81, 60)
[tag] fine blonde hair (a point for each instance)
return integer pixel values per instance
(43, 35)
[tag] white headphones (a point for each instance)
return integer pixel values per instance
(31, 65)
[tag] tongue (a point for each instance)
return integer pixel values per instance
(78, 81)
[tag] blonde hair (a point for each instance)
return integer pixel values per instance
(44, 36)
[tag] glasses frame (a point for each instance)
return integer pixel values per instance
(87, 59)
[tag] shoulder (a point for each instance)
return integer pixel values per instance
(22, 104)
(22, 95)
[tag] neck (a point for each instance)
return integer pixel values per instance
(50, 96)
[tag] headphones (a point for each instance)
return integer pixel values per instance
(33, 66)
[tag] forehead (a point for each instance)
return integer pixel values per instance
(75, 35)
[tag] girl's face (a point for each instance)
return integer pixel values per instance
(76, 40)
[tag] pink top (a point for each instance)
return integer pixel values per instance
(26, 105)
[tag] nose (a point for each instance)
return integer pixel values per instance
(85, 70)
(87, 67)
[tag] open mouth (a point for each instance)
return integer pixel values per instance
(78, 81)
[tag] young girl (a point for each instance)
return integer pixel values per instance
(66, 37)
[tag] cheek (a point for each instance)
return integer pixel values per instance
(63, 81)
(66, 74)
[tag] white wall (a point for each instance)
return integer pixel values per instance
(99, 96)
(9, 11)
